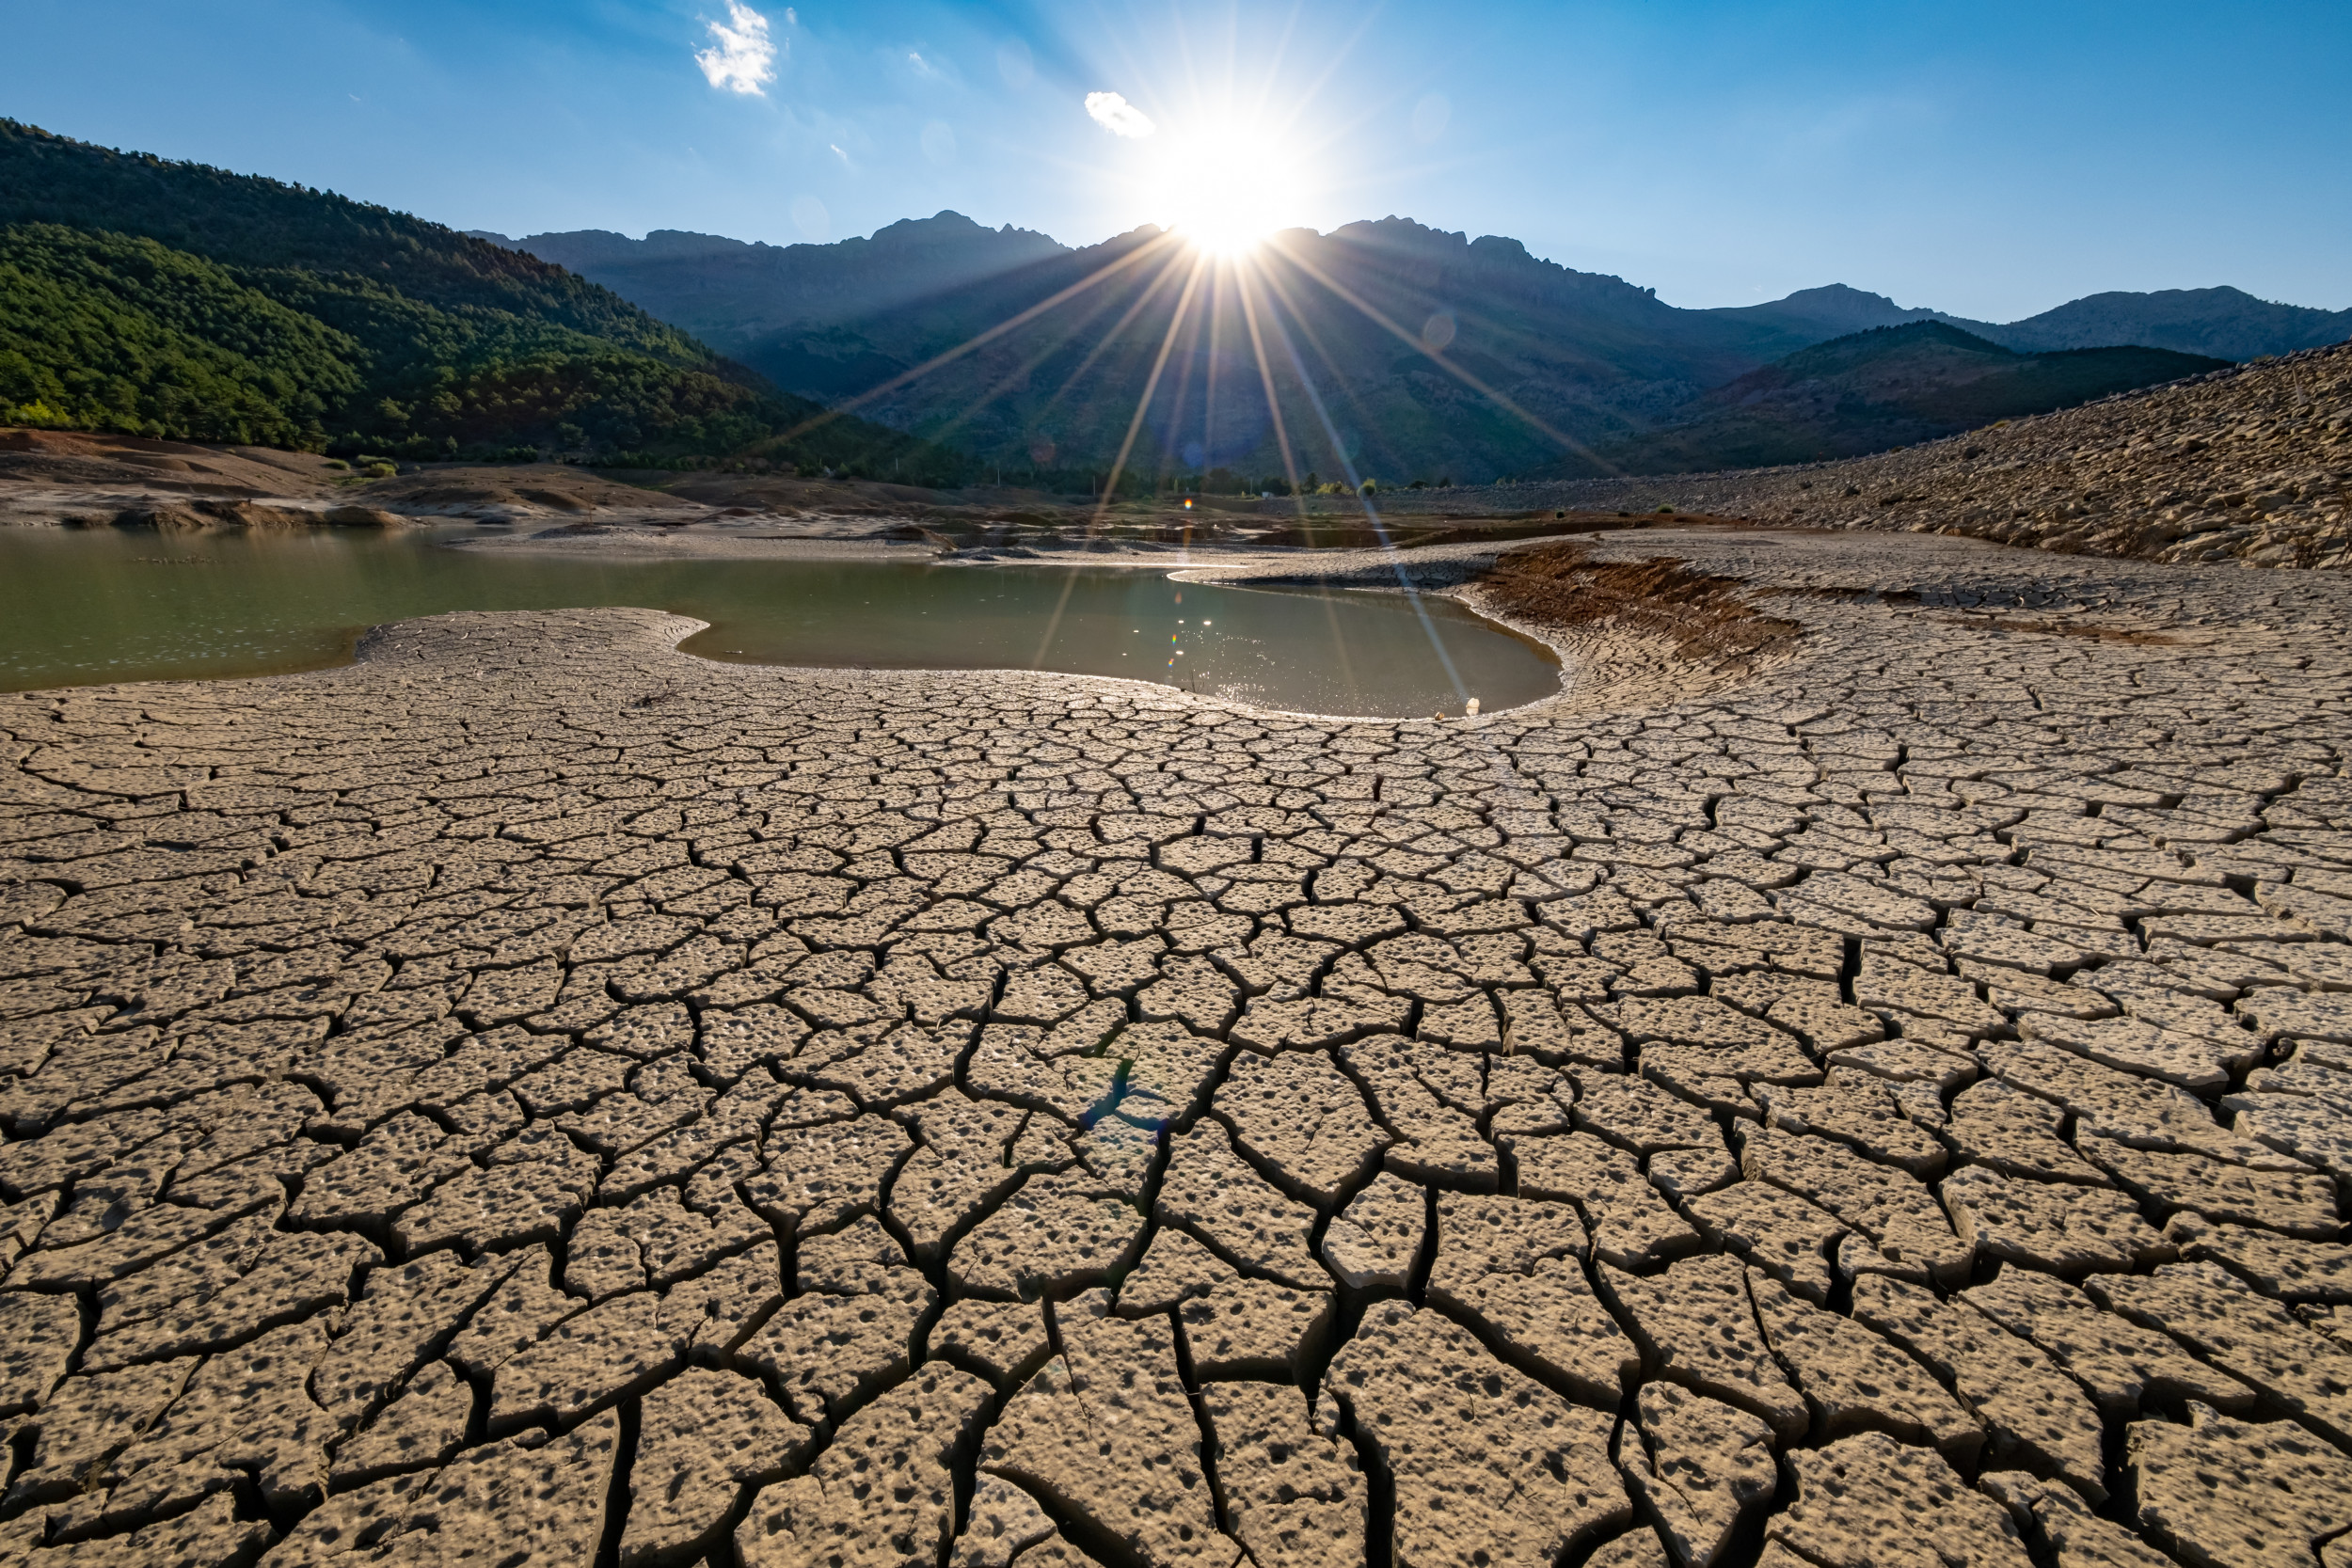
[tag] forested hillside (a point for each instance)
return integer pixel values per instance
(176, 300)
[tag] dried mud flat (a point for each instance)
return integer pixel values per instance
(534, 1096)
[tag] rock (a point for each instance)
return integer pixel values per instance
(882, 1493)
(1298, 1115)
(1002, 1523)
(1489, 1468)
(2225, 1492)
(2206, 1308)
(1702, 1468)
(702, 1437)
(1870, 1502)
(1254, 1328)
(1855, 1381)
(1375, 1240)
(1630, 1224)
(1294, 1496)
(1003, 1341)
(419, 1429)
(2125, 1368)
(1696, 1326)
(1105, 1434)
(1774, 1231)
(2036, 1416)
(2062, 1229)
(2057, 1517)
(1211, 1191)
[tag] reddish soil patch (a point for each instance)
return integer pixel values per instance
(1708, 619)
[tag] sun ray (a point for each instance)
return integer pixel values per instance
(979, 340)
(1375, 315)
(1184, 378)
(1176, 258)
(1111, 484)
(1143, 404)
(1372, 513)
(1094, 311)
(1023, 371)
(1273, 401)
(1314, 340)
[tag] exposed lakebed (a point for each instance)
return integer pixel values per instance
(83, 607)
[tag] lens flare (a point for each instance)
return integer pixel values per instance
(1227, 186)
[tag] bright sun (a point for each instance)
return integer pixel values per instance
(1224, 188)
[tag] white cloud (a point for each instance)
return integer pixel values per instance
(741, 55)
(1117, 115)
(839, 153)
(922, 66)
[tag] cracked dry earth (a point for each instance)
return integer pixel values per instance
(535, 1098)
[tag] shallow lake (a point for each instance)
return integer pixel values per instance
(79, 607)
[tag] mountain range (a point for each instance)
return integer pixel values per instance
(1384, 349)
(170, 299)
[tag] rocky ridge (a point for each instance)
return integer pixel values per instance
(533, 1097)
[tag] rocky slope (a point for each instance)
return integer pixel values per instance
(2252, 464)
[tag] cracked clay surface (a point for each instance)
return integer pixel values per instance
(533, 1097)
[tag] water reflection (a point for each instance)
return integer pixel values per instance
(83, 607)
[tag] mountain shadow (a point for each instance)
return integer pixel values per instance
(1886, 386)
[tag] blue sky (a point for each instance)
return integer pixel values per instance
(1992, 160)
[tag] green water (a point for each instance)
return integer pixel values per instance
(79, 607)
